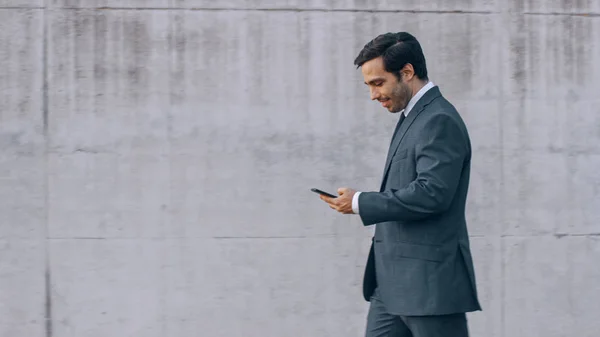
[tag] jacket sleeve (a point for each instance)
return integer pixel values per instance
(441, 152)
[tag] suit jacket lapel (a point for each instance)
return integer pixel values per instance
(400, 132)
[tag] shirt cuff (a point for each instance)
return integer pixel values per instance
(355, 202)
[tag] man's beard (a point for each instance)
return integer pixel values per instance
(401, 96)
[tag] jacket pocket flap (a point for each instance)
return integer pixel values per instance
(400, 155)
(418, 251)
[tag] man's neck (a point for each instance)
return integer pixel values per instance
(416, 96)
(419, 84)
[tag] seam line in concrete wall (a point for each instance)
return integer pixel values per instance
(48, 299)
(556, 235)
(264, 9)
(21, 8)
(561, 14)
(503, 56)
(169, 200)
(45, 77)
(502, 289)
(349, 10)
(48, 317)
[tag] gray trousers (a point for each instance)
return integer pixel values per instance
(382, 324)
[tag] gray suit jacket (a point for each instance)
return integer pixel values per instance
(420, 257)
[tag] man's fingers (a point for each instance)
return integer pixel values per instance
(332, 202)
(326, 199)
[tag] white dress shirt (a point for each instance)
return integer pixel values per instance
(406, 111)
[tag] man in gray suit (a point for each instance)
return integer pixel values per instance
(419, 277)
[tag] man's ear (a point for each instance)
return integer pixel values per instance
(407, 72)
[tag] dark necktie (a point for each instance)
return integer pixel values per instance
(402, 117)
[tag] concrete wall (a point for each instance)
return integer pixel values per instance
(157, 157)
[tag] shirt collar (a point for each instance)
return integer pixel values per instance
(417, 97)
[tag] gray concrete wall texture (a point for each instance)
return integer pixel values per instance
(157, 157)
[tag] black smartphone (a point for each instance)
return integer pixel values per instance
(316, 190)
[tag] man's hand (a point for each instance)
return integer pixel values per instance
(343, 203)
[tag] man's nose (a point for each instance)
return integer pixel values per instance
(374, 94)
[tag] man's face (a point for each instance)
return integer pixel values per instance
(385, 87)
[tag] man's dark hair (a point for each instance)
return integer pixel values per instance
(397, 50)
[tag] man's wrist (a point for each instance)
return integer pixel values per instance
(355, 202)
